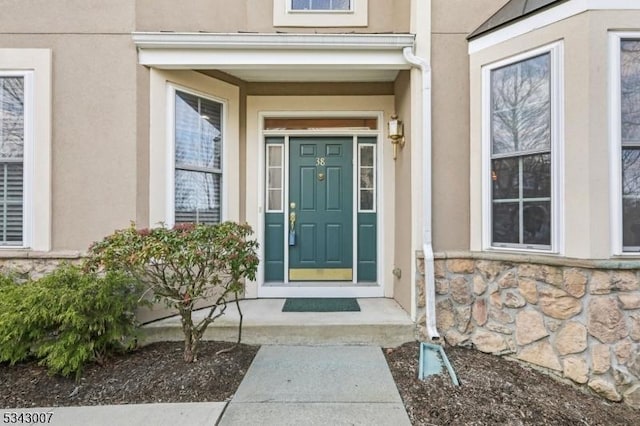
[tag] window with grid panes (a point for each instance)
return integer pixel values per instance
(521, 154)
(630, 138)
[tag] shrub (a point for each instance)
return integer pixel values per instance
(184, 265)
(67, 318)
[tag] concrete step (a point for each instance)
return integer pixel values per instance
(381, 322)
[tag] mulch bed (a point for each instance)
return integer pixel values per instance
(496, 391)
(154, 373)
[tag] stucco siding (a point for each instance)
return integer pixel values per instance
(450, 142)
(253, 15)
(461, 16)
(452, 21)
(94, 159)
(402, 197)
(67, 16)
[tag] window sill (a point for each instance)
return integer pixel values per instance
(522, 250)
(540, 259)
(25, 253)
(626, 255)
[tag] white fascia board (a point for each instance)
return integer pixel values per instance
(269, 59)
(548, 17)
(163, 40)
(272, 51)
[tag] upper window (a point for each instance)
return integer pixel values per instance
(520, 142)
(630, 142)
(320, 13)
(12, 150)
(198, 159)
(336, 5)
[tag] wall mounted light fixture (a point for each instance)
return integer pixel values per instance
(396, 134)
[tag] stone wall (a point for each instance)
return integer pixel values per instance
(579, 320)
(34, 265)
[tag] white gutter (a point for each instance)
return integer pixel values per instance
(293, 41)
(427, 243)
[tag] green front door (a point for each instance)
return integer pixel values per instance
(320, 209)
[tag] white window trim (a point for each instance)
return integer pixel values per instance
(35, 66)
(171, 143)
(615, 142)
(284, 16)
(160, 138)
(555, 51)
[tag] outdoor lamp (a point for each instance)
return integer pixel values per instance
(396, 134)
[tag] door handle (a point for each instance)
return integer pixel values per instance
(292, 225)
(292, 220)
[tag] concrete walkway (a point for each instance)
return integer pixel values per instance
(193, 414)
(306, 385)
(285, 385)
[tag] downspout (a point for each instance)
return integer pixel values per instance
(427, 244)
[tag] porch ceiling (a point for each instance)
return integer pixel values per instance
(279, 57)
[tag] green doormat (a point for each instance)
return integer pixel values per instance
(321, 305)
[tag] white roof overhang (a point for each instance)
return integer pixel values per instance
(547, 17)
(279, 57)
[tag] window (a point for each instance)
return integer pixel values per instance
(12, 149)
(198, 159)
(630, 142)
(25, 149)
(320, 13)
(275, 175)
(194, 158)
(520, 141)
(334, 5)
(367, 180)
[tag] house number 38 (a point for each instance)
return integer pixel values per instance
(320, 161)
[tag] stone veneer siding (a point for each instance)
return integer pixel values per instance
(576, 319)
(33, 264)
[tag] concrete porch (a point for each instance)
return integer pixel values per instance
(380, 322)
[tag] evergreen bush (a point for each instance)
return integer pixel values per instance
(67, 318)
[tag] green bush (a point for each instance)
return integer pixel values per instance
(184, 265)
(67, 318)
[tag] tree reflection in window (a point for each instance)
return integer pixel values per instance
(12, 133)
(521, 153)
(198, 159)
(630, 132)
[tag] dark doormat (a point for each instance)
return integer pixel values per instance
(321, 305)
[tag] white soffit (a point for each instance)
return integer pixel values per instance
(279, 57)
(548, 17)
